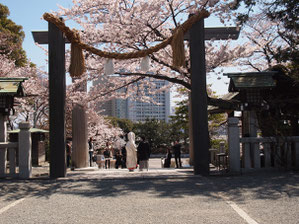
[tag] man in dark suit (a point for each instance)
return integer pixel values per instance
(143, 154)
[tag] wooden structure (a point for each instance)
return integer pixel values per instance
(269, 102)
(198, 123)
(57, 91)
(199, 119)
(270, 94)
(9, 88)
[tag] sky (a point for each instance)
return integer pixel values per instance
(28, 14)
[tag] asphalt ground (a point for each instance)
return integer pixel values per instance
(173, 196)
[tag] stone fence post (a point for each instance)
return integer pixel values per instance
(234, 145)
(296, 167)
(3, 138)
(25, 165)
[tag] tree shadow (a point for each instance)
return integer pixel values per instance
(267, 185)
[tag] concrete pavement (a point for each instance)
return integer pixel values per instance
(157, 196)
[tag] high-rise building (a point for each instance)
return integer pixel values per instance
(138, 110)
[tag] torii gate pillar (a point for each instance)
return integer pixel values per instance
(199, 99)
(57, 101)
(56, 40)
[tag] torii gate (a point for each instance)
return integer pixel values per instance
(57, 91)
(200, 136)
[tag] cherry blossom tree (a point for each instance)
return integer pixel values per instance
(35, 100)
(13, 63)
(126, 26)
(272, 27)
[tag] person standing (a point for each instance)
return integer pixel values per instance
(118, 159)
(107, 155)
(177, 153)
(68, 154)
(131, 152)
(143, 152)
(167, 161)
(123, 157)
(91, 149)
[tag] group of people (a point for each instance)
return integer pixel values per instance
(137, 155)
(128, 157)
(177, 155)
(131, 155)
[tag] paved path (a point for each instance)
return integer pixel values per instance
(158, 196)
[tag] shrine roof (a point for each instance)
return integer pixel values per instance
(239, 81)
(32, 130)
(11, 86)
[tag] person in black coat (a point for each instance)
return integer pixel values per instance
(118, 159)
(123, 157)
(143, 154)
(177, 153)
(167, 161)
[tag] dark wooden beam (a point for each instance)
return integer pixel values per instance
(216, 33)
(57, 101)
(41, 37)
(199, 106)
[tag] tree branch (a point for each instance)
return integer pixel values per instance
(161, 77)
(120, 87)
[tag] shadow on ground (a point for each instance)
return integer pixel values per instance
(265, 185)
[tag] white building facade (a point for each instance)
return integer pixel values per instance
(140, 111)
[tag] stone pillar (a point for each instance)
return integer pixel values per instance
(80, 155)
(256, 155)
(249, 129)
(246, 155)
(296, 165)
(234, 145)
(277, 154)
(190, 131)
(288, 154)
(3, 138)
(25, 165)
(254, 148)
(267, 154)
(12, 161)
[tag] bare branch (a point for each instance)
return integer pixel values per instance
(120, 87)
(161, 77)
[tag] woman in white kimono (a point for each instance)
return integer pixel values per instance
(131, 152)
